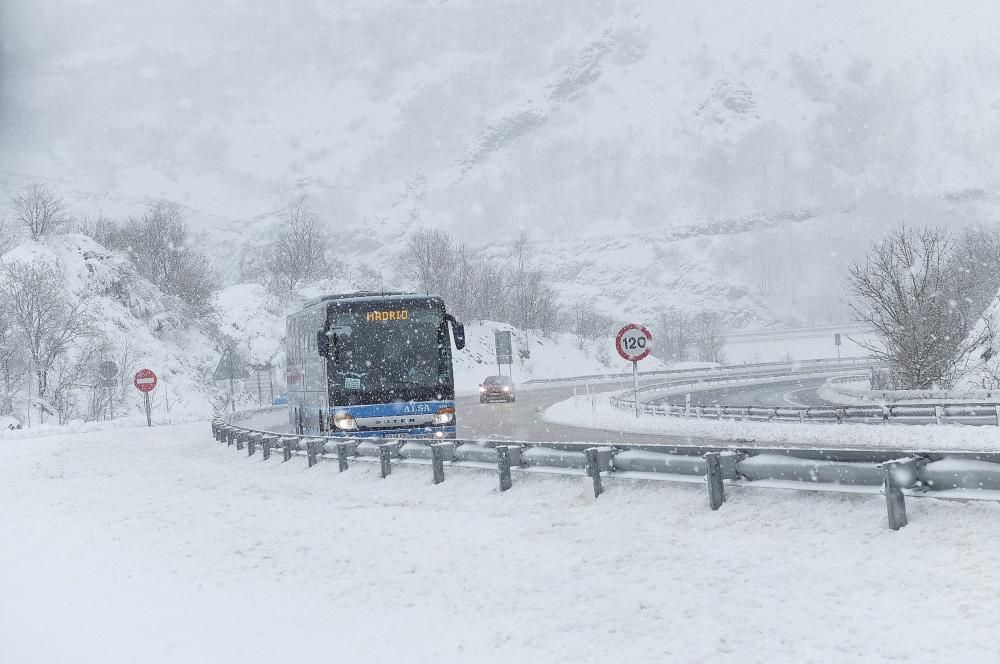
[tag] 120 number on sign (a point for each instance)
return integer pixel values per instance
(634, 342)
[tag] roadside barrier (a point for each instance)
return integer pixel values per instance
(894, 473)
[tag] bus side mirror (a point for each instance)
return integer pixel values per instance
(323, 343)
(457, 331)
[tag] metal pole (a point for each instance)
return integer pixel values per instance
(232, 394)
(635, 385)
(149, 419)
(716, 489)
(270, 384)
(29, 395)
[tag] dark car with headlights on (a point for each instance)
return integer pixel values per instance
(497, 388)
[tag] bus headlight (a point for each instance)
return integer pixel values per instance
(444, 416)
(345, 422)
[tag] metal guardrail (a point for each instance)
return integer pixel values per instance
(957, 412)
(853, 362)
(894, 473)
(888, 396)
(944, 413)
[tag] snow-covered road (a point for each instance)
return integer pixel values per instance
(161, 545)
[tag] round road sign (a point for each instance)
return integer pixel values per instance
(144, 380)
(634, 342)
(107, 370)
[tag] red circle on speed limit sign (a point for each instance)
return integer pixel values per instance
(634, 342)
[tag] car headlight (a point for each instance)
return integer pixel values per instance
(444, 416)
(345, 422)
(506, 388)
(482, 389)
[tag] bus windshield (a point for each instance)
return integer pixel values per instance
(393, 355)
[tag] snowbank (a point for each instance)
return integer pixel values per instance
(172, 548)
(597, 413)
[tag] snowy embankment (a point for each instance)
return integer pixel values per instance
(163, 546)
(597, 413)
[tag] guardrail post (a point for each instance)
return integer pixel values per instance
(286, 449)
(251, 444)
(886, 412)
(937, 414)
(384, 463)
(342, 456)
(716, 489)
(265, 446)
(311, 453)
(743, 414)
(718, 413)
(239, 440)
(996, 409)
(802, 416)
(895, 503)
(437, 462)
(840, 416)
(594, 469)
(503, 467)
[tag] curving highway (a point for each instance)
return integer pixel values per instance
(522, 420)
(798, 392)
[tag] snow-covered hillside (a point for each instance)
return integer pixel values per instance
(703, 133)
(134, 324)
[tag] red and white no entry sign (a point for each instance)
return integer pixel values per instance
(144, 380)
(634, 342)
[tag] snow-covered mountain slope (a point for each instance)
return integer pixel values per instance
(706, 131)
(136, 321)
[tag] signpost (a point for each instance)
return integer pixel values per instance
(836, 341)
(145, 381)
(634, 342)
(231, 368)
(505, 350)
(107, 376)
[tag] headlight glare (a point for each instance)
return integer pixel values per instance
(345, 422)
(444, 416)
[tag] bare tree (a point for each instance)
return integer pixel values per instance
(111, 399)
(588, 323)
(71, 374)
(489, 286)
(297, 252)
(161, 244)
(12, 367)
(708, 337)
(6, 238)
(977, 261)
(39, 211)
(428, 261)
(46, 323)
(676, 335)
(910, 290)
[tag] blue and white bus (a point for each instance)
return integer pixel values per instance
(372, 365)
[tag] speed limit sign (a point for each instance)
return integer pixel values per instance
(634, 342)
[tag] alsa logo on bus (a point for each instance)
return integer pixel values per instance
(391, 314)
